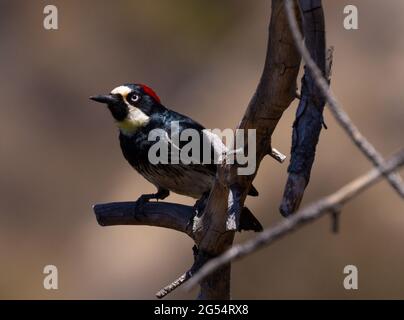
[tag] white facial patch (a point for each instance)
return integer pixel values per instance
(122, 90)
(136, 118)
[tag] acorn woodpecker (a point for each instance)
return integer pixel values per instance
(137, 110)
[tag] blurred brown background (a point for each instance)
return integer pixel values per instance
(60, 153)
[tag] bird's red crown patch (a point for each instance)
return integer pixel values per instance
(149, 91)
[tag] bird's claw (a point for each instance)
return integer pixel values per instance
(140, 203)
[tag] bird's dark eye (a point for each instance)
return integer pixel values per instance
(135, 98)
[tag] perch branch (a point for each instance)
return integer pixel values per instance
(341, 116)
(157, 214)
(303, 216)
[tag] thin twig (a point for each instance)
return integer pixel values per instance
(341, 116)
(174, 285)
(277, 155)
(301, 218)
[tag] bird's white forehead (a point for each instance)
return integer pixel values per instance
(122, 90)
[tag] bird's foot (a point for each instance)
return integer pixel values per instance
(141, 201)
(145, 198)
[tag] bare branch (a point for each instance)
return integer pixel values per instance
(309, 114)
(301, 218)
(157, 214)
(174, 285)
(342, 117)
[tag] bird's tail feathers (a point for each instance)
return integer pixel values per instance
(248, 222)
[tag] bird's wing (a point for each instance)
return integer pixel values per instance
(191, 139)
(212, 150)
(221, 151)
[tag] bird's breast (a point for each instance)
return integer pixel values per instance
(187, 179)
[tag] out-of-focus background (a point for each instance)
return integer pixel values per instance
(60, 153)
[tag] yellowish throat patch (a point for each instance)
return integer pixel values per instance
(135, 120)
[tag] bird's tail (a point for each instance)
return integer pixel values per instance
(248, 222)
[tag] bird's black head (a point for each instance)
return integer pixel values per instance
(131, 105)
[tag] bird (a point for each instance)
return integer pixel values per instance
(137, 111)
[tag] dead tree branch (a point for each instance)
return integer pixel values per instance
(309, 114)
(157, 214)
(301, 218)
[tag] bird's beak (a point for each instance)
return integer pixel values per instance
(108, 99)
